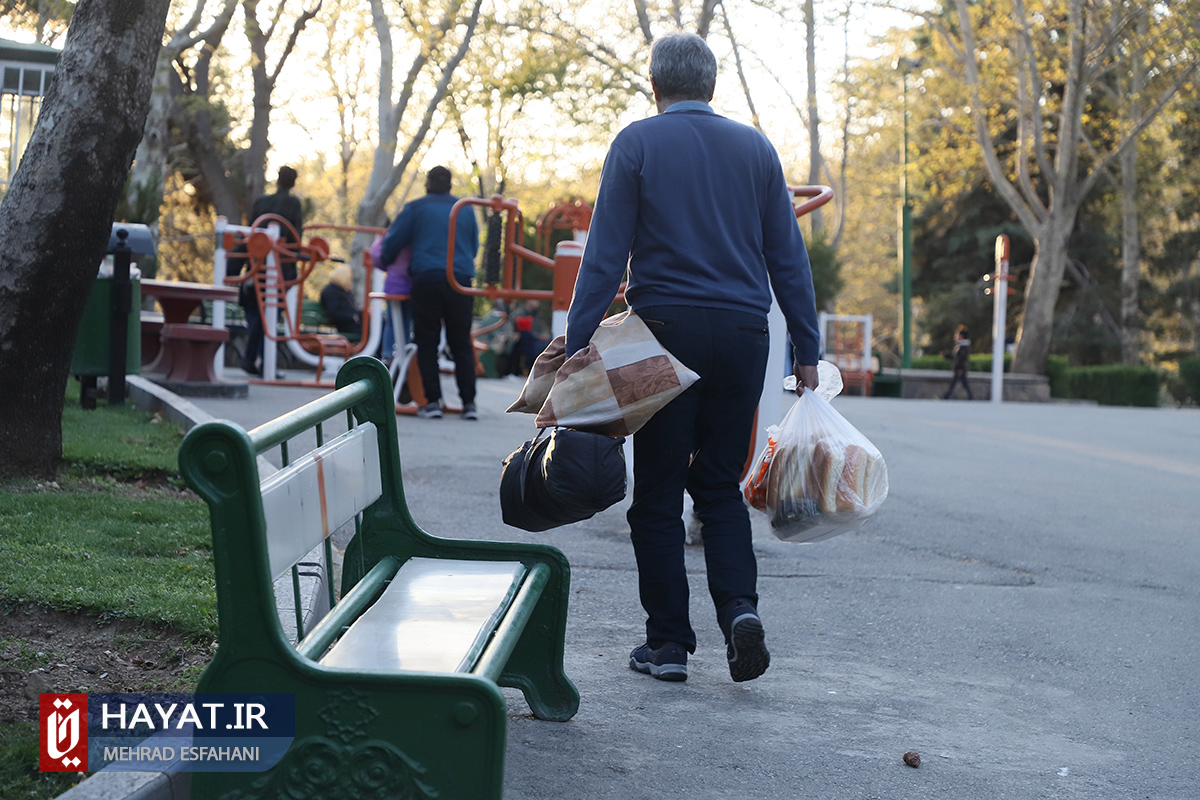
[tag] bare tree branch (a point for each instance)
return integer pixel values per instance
(180, 41)
(643, 20)
(707, 11)
(1024, 212)
(839, 226)
(737, 60)
(1139, 127)
(297, 27)
(1034, 78)
(597, 51)
(439, 93)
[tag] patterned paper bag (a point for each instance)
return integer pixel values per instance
(613, 386)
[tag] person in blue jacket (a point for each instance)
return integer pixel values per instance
(695, 206)
(424, 225)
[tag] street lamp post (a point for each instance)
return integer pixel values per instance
(905, 64)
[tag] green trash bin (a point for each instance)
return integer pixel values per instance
(90, 358)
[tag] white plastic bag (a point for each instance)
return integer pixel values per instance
(818, 476)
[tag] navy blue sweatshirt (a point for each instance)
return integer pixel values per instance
(424, 224)
(697, 207)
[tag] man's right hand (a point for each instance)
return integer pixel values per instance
(806, 376)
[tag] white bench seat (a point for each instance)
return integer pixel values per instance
(435, 616)
(400, 681)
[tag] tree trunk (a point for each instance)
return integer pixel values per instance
(265, 80)
(1131, 255)
(57, 216)
(150, 161)
(195, 121)
(256, 153)
(1131, 244)
(146, 178)
(386, 171)
(197, 130)
(814, 119)
(1041, 291)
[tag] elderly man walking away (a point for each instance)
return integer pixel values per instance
(424, 224)
(697, 207)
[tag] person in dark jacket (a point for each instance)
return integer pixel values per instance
(697, 208)
(284, 204)
(531, 339)
(424, 225)
(337, 300)
(962, 360)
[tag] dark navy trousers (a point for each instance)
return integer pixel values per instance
(433, 303)
(698, 443)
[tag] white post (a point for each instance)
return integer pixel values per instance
(999, 317)
(219, 272)
(378, 309)
(271, 318)
(868, 332)
(571, 247)
(770, 401)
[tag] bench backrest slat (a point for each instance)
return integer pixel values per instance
(319, 493)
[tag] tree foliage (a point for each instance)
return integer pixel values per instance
(1173, 293)
(47, 20)
(1040, 68)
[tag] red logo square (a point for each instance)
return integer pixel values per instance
(63, 732)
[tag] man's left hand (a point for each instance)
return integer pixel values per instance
(806, 377)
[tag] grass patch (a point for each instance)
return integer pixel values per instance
(93, 545)
(19, 776)
(115, 535)
(122, 442)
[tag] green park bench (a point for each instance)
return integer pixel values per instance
(399, 682)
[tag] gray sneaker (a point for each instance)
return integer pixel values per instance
(747, 654)
(469, 411)
(667, 663)
(430, 411)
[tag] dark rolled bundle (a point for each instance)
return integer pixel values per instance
(561, 476)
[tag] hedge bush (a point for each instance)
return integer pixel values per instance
(1189, 376)
(1056, 372)
(1116, 384)
(932, 362)
(979, 362)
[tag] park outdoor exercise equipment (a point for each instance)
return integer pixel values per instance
(506, 284)
(503, 280)
(281, 300)
(504, 269)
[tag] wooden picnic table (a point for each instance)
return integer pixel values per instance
(187, 351)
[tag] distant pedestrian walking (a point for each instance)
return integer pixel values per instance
(962, 357)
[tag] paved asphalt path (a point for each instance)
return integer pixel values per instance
(1023, 612)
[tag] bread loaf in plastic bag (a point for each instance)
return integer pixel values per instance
(818, 476)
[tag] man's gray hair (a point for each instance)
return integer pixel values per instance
(683, 68)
